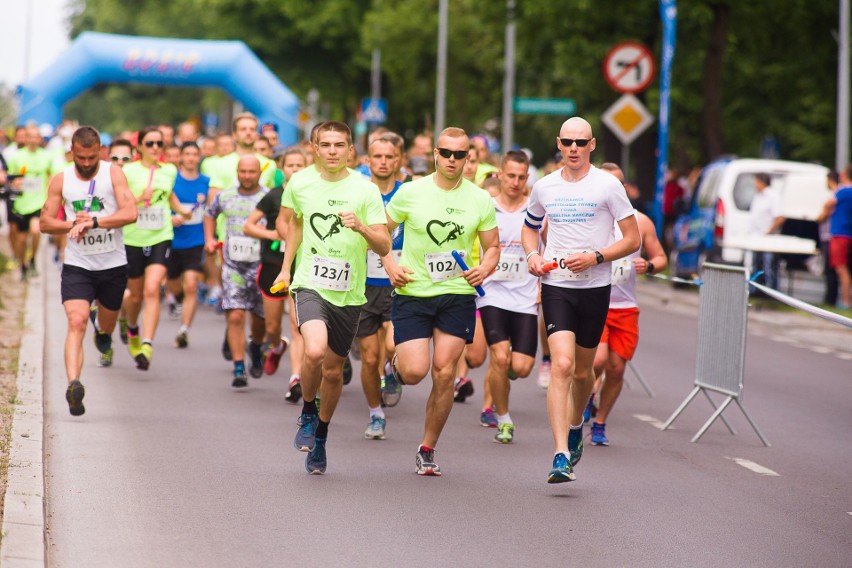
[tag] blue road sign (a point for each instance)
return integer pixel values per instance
(374, 111)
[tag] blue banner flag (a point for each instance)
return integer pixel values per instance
(668, 13)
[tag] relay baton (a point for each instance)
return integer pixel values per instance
(277, 287)
(479, 289)
(90, 196)
(550, 266)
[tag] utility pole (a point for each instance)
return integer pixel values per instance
(509, 78)
(841, 158)
(441, 81)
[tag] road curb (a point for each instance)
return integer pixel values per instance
(23, 543)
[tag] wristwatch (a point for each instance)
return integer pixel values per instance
(94, 222)
(650, 267)
(599, 256)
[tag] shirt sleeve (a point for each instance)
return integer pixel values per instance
(488, 215)
(619, 204)
(215, 208)
(397, 208)
(375, 213)
(535, 209)
(288, 198)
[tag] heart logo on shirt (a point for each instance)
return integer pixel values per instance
(325, 226)
(441, 232)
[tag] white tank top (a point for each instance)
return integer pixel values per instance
(623, 294)
(99, 249)
(511, 287)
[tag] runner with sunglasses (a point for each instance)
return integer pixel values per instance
(443, 213)
(120, 153)
(581, 204)
(148, 241)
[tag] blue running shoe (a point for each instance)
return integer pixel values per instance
(590, 410)
(306, 435)
(575, 445)
(562, 471)
(487, 418)
(316, 461)
(376, 428)
(391, 387)
(599, 435)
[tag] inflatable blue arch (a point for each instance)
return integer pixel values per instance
(106, 58)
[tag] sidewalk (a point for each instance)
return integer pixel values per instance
(792, 326)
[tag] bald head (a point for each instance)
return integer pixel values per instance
(248, 173)
(576, 127)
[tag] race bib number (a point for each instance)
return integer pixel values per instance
(197, 214)
(621, 270)
(331, 274)
(561, 272)
(97, 241)
(375, 266)
(441, 266)
(31, 184)
(150, 218)
(243, 249)
(512, 266)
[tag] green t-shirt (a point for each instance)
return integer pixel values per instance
(438, 222)
(154, 223)
(222, 170)
(333, 258)
(483, 170)
(37, 168)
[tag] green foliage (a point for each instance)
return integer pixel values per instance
(778, 76)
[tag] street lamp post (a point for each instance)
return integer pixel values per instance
(441, 81)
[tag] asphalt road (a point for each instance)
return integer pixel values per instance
(173, 467)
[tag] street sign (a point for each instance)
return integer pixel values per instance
(627, 118)
(629, 67)
(523, 105)
(374, 111)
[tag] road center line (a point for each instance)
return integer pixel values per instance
(755, 467)
(651, 420)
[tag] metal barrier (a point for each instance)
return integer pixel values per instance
(720, 358)
(648, 390)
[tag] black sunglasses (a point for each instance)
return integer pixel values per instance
(152, 143)
(581, 142)
(457, 154)
(120, 158)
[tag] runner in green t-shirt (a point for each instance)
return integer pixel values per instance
(34, 163)
(148, 241)
(335, 218)
(442, 213)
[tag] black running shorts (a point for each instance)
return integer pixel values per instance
(520, 330)
(140, 258)
(106, 286)
(417, 318)
(376, 311)
(341, 321)
(580, 310)
(182, 260)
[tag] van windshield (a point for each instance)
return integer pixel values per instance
(708, 188)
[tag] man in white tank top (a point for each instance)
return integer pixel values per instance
(97, 203)
(621, 332)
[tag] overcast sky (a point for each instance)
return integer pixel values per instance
(47, 37)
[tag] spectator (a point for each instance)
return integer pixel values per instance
(765, 218)
(839, 208)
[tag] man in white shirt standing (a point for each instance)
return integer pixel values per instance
(765, 218)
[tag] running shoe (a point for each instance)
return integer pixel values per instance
(316, 461)
(505, 433)
(425, 462)
(512, 374)
(226, 348)
(575, 445)
(173, 310)
(543, 379)
(105, 359)
(134, 346)
(270, 366)
(74, 395)
(294, 390)
(122, 330)
(182, 340)
(391, 388)
(599, 435)
(590, 411)
(306, 435)
(487, 419)
(347, 371)
(240, 380)
(103, 341)
(93, 314)
(376, 428)
(464, 389)
(562, 471)
(143, 360)
(256, 355)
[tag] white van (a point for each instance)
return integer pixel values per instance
(719, 207)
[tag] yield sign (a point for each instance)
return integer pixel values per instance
(627, 118)
(629, 67)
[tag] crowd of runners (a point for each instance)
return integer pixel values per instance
(425, 260)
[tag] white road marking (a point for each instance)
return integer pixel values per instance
(651, 420)
(844, 356)
(755, 467)
(820, 350)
